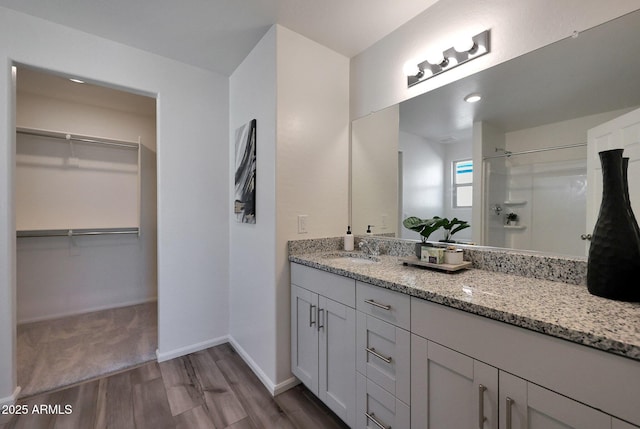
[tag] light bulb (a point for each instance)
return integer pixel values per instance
(464, 44)
(435, 58)
(411, 68)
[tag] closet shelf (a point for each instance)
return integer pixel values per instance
(76, 232)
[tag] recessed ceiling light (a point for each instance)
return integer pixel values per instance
(76, 80)
(473, 98)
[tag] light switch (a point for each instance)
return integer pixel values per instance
(385, 221)
(302, 224)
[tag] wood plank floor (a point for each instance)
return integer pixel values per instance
(212, 388)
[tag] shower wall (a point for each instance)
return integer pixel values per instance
(547, 190)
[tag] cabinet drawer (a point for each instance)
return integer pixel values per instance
(383, 355)
(333, 286)
(393, 307)
(378, 408)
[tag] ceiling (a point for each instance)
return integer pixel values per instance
(43, 84)
(218, 34)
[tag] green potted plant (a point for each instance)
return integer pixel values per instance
(512, 219)
(425, 227)
(452, 226)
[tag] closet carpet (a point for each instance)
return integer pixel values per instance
(65, 351)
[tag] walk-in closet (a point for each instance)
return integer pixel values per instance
(85, 215)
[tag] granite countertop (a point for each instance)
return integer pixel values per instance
(558, 309)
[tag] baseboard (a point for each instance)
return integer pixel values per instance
(7, 401)
(274, 389)
(286, 385)
(86, 310)
(192, 348)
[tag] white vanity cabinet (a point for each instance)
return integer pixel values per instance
(323, 335)
(619, 424)
(451, 390)
(524, 405)
(380, 358)
(377, 408)
(384, 304)
(557, 383)
(383, 357)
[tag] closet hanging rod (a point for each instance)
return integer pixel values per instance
(507, 153)
(81, 139)
(76, 232)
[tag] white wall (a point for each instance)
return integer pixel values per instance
(570, 132)
(457, 151)
(516, 27)
(426, 182)
(422, 181)
(488, 225)
(193, 153)
(300, 101)
(374, 172)
(61, 276)
(252, 95)
(313, 159)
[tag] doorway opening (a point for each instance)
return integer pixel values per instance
(85, 210)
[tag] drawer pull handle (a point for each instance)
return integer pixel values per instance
(481, 417)
(320, 311)
(376, 304)
(311, 312)
(509, 404)
(372, 417)
(378, 355)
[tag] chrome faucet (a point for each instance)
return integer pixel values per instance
(371, 248)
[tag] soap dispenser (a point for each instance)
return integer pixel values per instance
(348, 240)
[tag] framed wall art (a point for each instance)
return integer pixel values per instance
(245, 173)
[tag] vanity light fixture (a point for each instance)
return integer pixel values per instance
(76, 80)
(438, 62)
(473, 98)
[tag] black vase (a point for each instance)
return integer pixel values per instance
(625, 167)
(614, 254)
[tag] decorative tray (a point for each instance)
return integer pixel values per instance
(413, 260)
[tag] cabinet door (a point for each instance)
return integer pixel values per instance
(526, 405)
(383, 355)
(337, 360)
(451, 390)
(304, 337)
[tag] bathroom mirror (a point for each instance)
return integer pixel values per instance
(527, 139)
